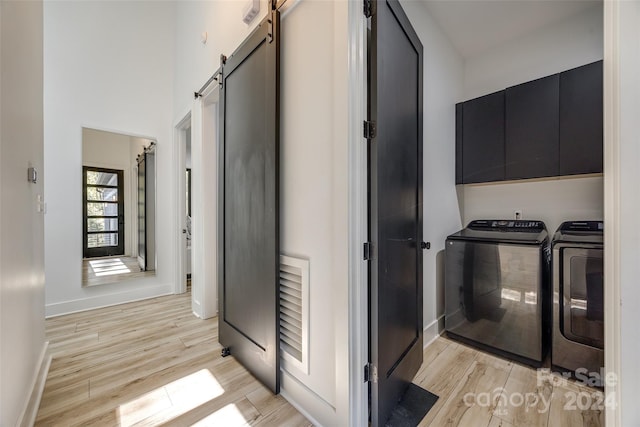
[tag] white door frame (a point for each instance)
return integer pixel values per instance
(204, 203)
(621, 155)
(202, 119)
(180, 138)
(358, 219)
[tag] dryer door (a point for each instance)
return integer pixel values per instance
(582, 296)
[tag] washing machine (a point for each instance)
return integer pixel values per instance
(578, 297)
(497, 289)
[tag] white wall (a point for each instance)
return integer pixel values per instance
(549, 50)
(443, 79)
(313, 177)
(313, 198)
(552, 201)
(558, 47)
(108, 65)
(22, 339)
(197, 61)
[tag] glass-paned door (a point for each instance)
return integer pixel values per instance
(103, 212)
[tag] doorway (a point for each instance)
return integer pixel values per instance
(187, 209)
(183, 226)
(196, 208)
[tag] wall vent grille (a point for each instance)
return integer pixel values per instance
(294, 312)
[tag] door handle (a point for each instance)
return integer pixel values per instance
(425, 245)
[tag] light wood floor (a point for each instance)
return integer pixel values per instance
(470, 384)
(100, 271)
(154, 363)
(150, 363)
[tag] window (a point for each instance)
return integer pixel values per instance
(103, 212)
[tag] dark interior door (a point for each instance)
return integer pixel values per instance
(395, 180)
(249, 235)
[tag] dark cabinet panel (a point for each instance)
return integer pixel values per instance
(581, 118)
(483, 139)
(459, 165)
(531, 129)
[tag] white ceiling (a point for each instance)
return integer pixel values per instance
(474, 26)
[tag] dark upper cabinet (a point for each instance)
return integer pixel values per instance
(531, 129)
(581, 117)
(483, 139)
(552, 126)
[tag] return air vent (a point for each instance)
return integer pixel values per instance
(294, 312)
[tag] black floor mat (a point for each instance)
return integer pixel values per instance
(412, 408)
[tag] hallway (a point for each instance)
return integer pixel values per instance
(150, 363)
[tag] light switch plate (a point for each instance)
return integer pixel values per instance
(32, 175)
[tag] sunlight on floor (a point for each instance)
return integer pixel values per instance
(144, 406)
(175, 399)
(107, 267)
(229, 416)
(511, 294)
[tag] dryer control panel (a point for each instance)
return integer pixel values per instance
(587, 226)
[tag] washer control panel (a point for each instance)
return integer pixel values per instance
(507, 225)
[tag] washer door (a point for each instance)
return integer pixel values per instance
(582, 296)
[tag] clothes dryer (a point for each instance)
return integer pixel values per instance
(578, 297)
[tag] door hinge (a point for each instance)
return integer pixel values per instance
(370, 373)
(368, 8)
(369, 129)
(367, 251)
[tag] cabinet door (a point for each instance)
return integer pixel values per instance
(483, 139)
(581, 115)
(532, 129)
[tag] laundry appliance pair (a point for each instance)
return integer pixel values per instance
(512, 291)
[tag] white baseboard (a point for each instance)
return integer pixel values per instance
(432, 331)
(68, 307)
(306, 401)
(30, 412)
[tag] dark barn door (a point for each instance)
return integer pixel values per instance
(395, 180)
(249, 234)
